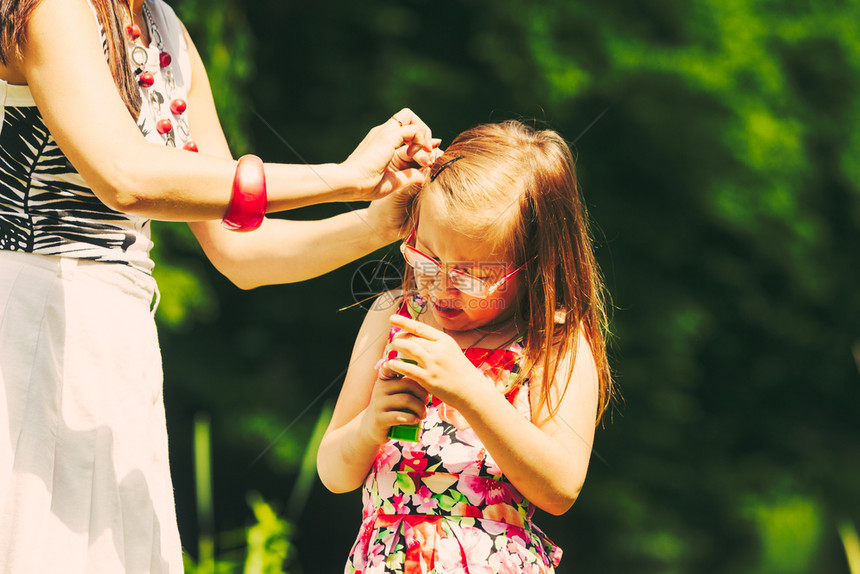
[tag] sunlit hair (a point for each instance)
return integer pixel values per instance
(112, 15)
(515, 190)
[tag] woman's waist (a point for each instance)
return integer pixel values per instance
(121, 276)
(122, 241)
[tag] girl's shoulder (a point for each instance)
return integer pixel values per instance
(382, 308)
(387, 302)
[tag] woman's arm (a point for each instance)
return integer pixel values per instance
(280, 251)
(284, 251)
(70, 80)
(366, 408)
(546, 461)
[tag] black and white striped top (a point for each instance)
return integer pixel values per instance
(45, 205)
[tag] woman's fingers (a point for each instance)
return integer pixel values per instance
(398, 179)
(394, 155)
(407, 117)
(414, 146)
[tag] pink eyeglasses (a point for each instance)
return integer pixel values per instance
(428, 267)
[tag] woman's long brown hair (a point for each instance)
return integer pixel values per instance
(15, 17)
(516, 188)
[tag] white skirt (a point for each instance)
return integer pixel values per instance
(84, 478)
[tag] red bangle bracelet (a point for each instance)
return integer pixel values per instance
(248, 204)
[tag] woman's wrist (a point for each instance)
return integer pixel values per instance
(379, 234)
(343, 183)
(383, 230)
(338, 185)
(297, 185)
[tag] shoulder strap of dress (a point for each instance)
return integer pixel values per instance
(403, 311)
(411, 305)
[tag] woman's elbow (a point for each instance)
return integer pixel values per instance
(119, 186)
(232, 265)
(237, 275)
(125, 198)
(241, 280)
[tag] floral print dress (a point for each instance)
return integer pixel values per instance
(442, 505)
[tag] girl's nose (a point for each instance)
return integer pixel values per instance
(443, 284)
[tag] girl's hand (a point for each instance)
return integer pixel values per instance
(442, 368)
(389, 158)
(394, 401)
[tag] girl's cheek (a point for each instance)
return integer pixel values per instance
(440, 287)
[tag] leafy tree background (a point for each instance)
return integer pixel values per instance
(717, 144)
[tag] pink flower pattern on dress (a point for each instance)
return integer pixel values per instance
(442, 505)
(480, 491)
(423, 501)
(400, 502)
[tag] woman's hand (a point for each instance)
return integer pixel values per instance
(394, 401)
(441, 367)
(389, 158)
(388, 216)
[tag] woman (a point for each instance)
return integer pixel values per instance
(84, 478)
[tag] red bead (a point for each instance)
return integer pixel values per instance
(163, 126)
(146, 80)
(133, 31)
(178, 106)
(191, 146)
(164, 59)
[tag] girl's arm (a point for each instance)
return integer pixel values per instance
(367, 407)
(281, 251)
(546, 460)
(70, 80)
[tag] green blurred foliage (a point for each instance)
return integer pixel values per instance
(790, 530)
(851, 541)
(267, 540)
(717, 145)
(266, 546)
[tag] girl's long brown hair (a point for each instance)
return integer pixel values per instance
(15, 17)
(516, 188)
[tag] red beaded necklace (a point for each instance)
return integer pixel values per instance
(139, 57)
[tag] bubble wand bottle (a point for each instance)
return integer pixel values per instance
(411, 433)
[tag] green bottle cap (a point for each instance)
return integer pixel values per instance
(404, 432)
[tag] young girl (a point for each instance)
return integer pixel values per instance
(496, 350)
